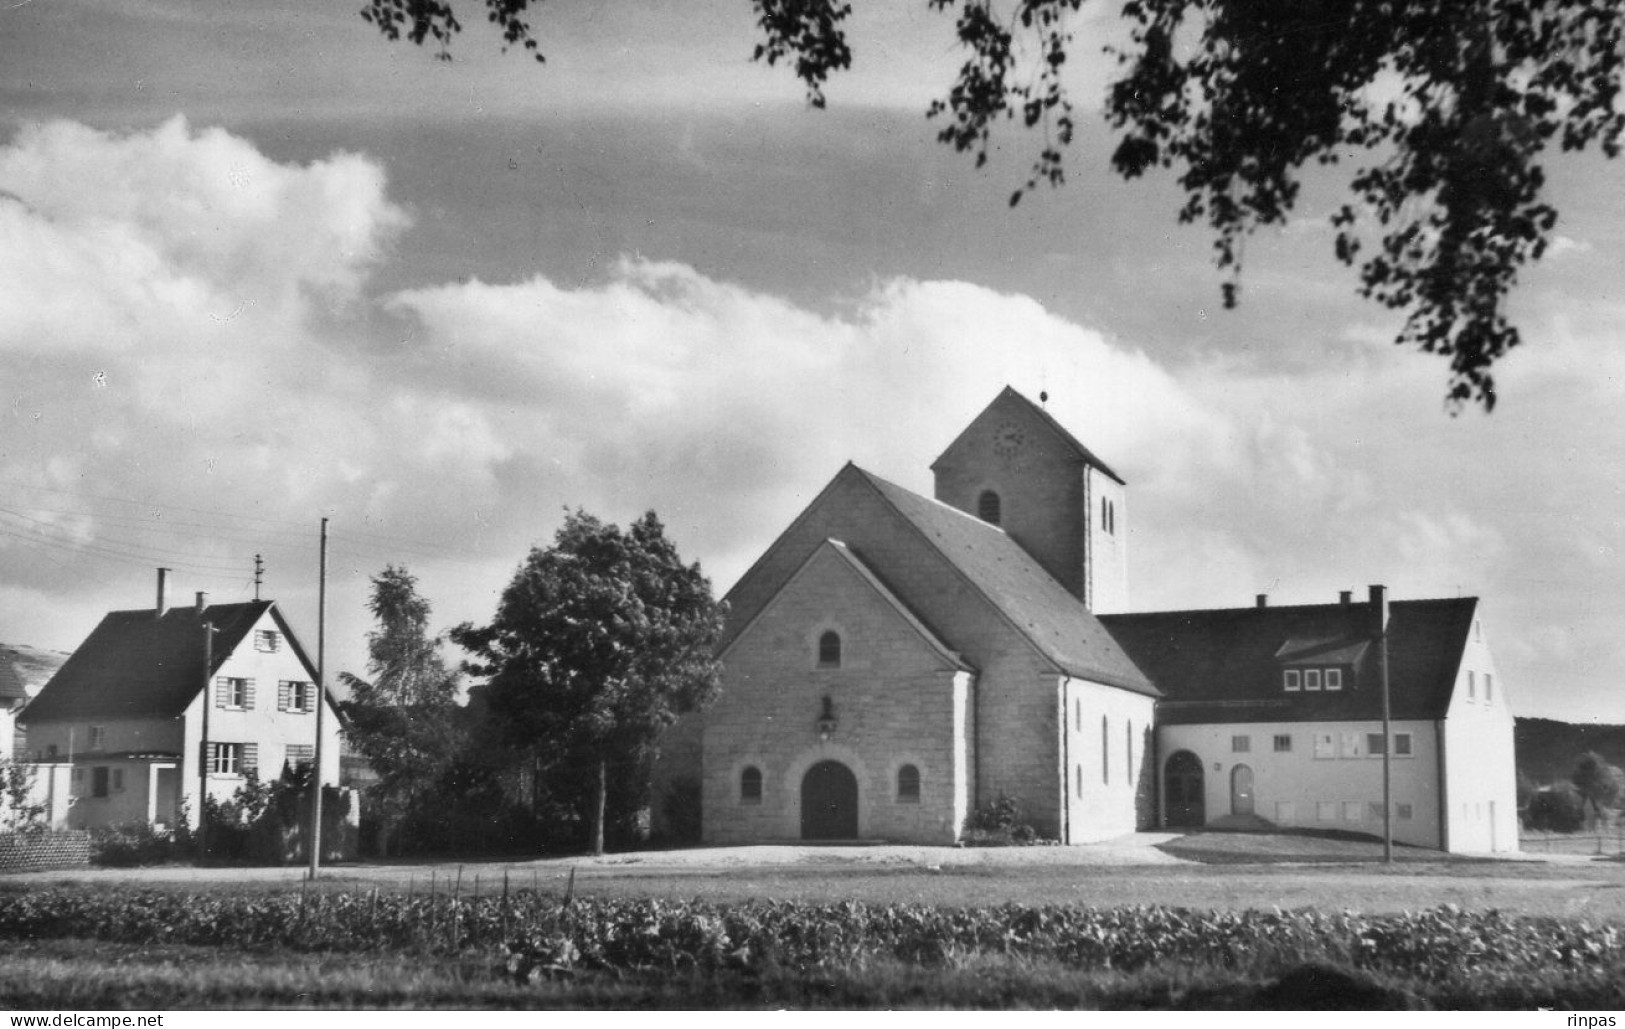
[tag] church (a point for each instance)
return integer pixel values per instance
(894, 662)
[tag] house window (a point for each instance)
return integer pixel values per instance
(118, 780)
(1402, 744)
(1283, 743)
(988, 507)
(234, 693)
(233, 758)
(1077, 714)
(1292, 680)
(1351, 744)
(98, 737)
(294, 696)
(1079, 777)
(78, 776)
(1325, 811)
(1311, 680)
(1128, 749)
(1241, 744)
(1353, 811)
(750, 785)
(1404, 811)
(1472, 685)
(829, 650)
(301, 755)
(908, 785)
(98, 781)
(1334, 679)
(1325, 746)
(267, 641)
(1489, 687)
(1374, 744)
(50, 752)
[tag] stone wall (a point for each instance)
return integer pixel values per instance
(38, 852)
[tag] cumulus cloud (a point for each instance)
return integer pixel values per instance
(188, 324)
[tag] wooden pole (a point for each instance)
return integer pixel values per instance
(203, 745)
(321, 713)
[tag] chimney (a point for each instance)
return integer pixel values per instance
(1345, 597)
(1378, 610)
(1263, 600)
(202, 602)
(162, 606)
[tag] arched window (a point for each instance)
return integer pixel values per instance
(750, 785)
(829, 650)
(988, 508)
(908, 785)
(1105, 751)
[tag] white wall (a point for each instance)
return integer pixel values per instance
(1479, 756)
(1104, 777)
(1340, 789)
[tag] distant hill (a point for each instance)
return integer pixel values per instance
(32, 665)
(1546, 749)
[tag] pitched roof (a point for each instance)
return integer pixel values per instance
(1040, 608)
(137, 665)
(1008, 395)
(1225, 665)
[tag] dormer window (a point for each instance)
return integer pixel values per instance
(1292, 680)
(829, 650)
(1311, 680)
(988, 507)
(1334, 679)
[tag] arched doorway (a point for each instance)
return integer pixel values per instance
(829, 802)
(1182, 781)
(1241, 790)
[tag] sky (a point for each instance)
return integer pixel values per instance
(260, 267)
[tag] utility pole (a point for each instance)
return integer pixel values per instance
(321, 713)
(1379, 602)
(259, 574)
(203, 745)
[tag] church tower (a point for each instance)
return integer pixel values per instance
(1014, 466)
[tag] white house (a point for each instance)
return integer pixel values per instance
(129, 711)
(892, 662)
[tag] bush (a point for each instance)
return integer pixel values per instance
(1558, 809)
(998, 824)
(681, 806)
(129, 844)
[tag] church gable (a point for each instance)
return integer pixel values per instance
(834, 614)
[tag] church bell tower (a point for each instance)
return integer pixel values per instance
(1016, 467)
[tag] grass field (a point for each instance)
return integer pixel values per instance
(1218, 875)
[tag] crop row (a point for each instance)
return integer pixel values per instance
(540, 933)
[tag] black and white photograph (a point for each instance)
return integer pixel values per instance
(812, 505)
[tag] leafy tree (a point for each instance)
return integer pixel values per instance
(404, 719)
(600, 641)
(21, 809)
(1600, 784)
(1451, 105)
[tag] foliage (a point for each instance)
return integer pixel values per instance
(599, 643)
(999, 823)
(129, 844)
(681, 807)
(261, 820)
(537, 937)
(20, 809)
(1452, 104)
(1599, 783)
(405, 719)
(1558, 809)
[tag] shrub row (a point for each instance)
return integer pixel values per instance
(539, 933)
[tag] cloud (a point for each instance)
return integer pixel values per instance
(198, 368)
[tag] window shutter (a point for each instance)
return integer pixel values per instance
(206, 753)
(283, 691)
(222, 691)
(251, 758)
(248, 694)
